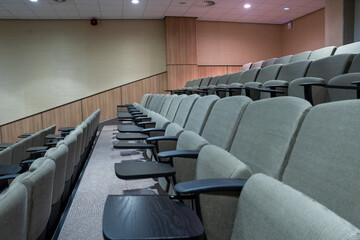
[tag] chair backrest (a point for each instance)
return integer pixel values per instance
(257, 64)
(184, 109)
(322, 53)
(300, 56)
(269, 209)
(329, 67)
(19, 150)
(355, 64)
(13, 212)
(214, 80)
(269, 62)
(199, 113)
(271, 125)
(197, 82)
(293, 70)
(5, 156)
(223, 79)
(59, 155)
(268, 73)
(224, 119)
(283, 60)
(37, 139)
(173, 108)
(39, 181)
(246, 67)
(353, 48)
(234, 77)
(205, 82)
(144, 99)
(324, 162)
(249, 75)
(70, 141)
(166, 104)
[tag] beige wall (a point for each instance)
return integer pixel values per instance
(306, 33)
(45, 64)
(222, 43)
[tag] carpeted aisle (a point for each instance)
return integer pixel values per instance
(84, 220)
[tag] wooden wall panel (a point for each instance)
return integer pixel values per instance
(233, 69)
(180, 40)
(104, 101)
(211, 71)
(69, 115)
(9, 132)
(178, 75)
(134, 92)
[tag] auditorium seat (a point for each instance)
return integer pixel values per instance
(257, 64)
(269, 209)
(246, 67)
(303, 56)
(288, 72)
(59, 155)
(353, 48)
(283, 60)
(235, 88)
(13, 212)
(265, 74)
(269, 62)
(322, 53)
(5, 156)
(344, 80)
(233, 78)
(39, 181)
(320, 71)
(223, 80)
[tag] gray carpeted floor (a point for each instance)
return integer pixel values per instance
(84, 220)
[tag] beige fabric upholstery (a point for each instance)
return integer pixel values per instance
(59, 156)
(5, 156)
(266, 133)
(349, 48)
(271, 210)
(224, 119)
(39, 181)
(185, 167)
(324, 163)
(322, 53)
(13, 212)
(217, 208)
(300, 56)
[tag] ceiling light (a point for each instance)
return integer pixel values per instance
(135, 1)
(59, 1)
(286, 8)
(33, 0)
(247, 6)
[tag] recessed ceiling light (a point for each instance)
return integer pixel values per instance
(60, 1)
(33, 0)
(135, 1)
(286, 8)
(247, 6)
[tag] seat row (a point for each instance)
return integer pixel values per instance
(302, 162)
(30, 208)
(325, 72)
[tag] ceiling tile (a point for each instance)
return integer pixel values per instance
(111, 7)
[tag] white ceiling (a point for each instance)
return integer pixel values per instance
(262, 11)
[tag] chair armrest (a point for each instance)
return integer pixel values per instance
(313, 84)
(36, 149)
(143, 118)
(50, 144)
(144, 123)
(66, 129)
(126, 145)
(137, 115)
(8, 177)
(210, 185)
(272, 92)
(162, 138)
(146, 130)
(27, 162)
(179, 153)
(25, 135)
